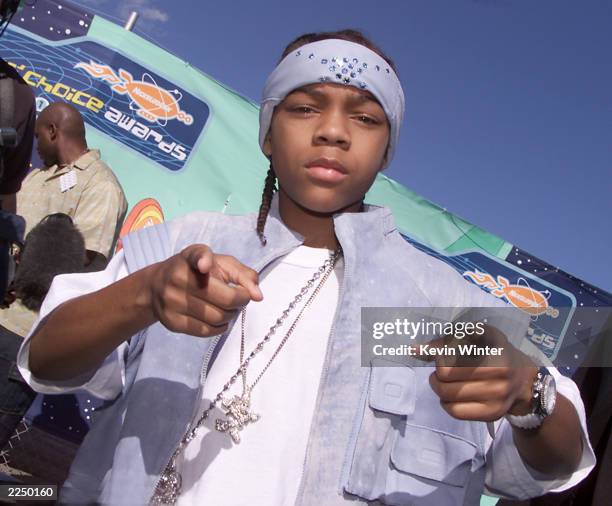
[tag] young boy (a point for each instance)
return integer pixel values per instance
(275, 408)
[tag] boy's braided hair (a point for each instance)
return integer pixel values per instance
(266, 201)
(349, 35)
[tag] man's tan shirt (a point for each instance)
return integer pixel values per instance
(86, 190)
(17, 318)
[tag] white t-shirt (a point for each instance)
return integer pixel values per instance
(271, 453)
(276, 482)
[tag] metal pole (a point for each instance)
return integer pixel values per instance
(131, 21)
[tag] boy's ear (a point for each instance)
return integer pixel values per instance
(385, 160)
(52, 131)
(267, 145)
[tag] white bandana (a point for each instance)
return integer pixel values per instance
(335, 61)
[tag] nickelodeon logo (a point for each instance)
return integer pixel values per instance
(148, 100)
(520, 295)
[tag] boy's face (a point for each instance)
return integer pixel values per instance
(327, 143)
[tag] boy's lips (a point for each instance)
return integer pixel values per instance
(326, 169)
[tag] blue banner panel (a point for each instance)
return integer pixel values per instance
(117, 96)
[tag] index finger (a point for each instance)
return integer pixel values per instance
(199, 257)
(240, 275)
(222, 295)
(450, 374)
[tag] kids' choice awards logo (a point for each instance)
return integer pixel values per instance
(550, 306)
(133, 104)
(149, 116)
(520, 295)
(150, 101)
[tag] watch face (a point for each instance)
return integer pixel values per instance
(548, 395)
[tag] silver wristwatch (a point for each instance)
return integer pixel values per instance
(543, 401)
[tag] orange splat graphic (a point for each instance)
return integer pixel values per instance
(149, 100)
(520, 295)
(146, 213)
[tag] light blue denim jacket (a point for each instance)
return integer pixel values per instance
(376, 434)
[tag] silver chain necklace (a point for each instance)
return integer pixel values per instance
(237, 409)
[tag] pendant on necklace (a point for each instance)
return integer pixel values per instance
(169, 486)
(237, 410)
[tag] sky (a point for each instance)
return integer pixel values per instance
(508, 102)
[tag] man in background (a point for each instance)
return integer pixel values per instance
(74, 181)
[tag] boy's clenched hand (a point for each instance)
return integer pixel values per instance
(483, 391)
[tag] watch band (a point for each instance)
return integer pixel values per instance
(543, 401)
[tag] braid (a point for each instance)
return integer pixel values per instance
(266, 201)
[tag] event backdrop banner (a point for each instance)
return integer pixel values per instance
(180, 141)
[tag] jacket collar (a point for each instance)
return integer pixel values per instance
(355, 231)
(370, 225)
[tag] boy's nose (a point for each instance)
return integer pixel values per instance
(332, 130)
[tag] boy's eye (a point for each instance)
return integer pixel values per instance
(368, 120)
(305, 109)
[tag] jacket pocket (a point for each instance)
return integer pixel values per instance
(429, 467)
(393, 390)
(400, 463)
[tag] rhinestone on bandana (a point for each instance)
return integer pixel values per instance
(345, 60)
(338, 76)
(346, 80)
(324, 79)
(388, 71)
(355, 60)
(311, 56)
(353, 75)
(344, 70)
(350, 65)
(332, 68)
(364, 65)
(324, 61)
(298, 53)
(362, 85)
